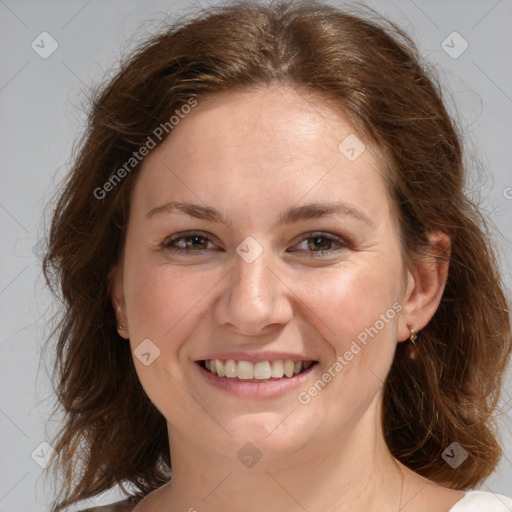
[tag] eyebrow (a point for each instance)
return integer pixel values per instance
(290, 216)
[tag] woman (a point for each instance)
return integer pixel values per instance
(272, 278)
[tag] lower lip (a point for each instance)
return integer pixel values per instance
(264, 389)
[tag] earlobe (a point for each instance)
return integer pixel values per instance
(116, 292)
(427, 281)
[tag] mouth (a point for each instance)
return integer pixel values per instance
(261, 371)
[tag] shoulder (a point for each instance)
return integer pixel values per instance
(119, 506)
(479, 501)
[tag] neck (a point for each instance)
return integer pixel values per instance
(354, 472)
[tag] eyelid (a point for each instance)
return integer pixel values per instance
(342, 242)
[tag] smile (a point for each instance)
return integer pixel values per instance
(262, 370)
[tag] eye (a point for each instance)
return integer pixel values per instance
(322, 244)
(319, 244)
(188, 242)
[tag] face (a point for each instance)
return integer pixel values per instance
(256, 240)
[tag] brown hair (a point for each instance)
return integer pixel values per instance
(370, 69)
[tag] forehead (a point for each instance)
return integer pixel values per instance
(276, 122)
(269, 145)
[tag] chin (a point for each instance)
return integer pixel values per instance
(265, 435)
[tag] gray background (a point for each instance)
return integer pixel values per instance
(41, 109)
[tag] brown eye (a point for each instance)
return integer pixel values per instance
(188, 242)
(321, 244)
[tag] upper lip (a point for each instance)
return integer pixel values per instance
(255, 357)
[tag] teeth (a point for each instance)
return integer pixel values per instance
(277, 369)
(289, 367)
(263, 370)
(231, 370)
(245, 370)
(219, 367)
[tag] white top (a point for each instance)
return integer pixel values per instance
(473, 501)
(479, 501)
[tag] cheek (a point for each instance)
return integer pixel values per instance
(357, 308)
(165, 305)
(355, 302)
(165, 301)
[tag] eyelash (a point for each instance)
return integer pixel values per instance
(343, 244)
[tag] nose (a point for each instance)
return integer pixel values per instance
(255, 299)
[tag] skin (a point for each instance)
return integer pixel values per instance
(251, 155)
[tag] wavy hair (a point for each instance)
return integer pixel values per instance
(370, 70)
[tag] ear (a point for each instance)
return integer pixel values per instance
(426, 282)
(116, 292)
